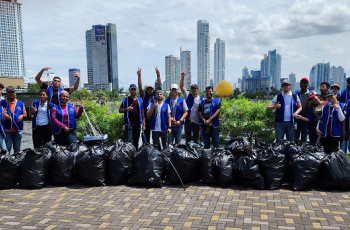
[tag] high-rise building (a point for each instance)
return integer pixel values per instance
(293, 82)
(11, 41)
(102, 57)
(185, 57)
(271, 65)
(254, 81)
(245, 74)
(336, 76)
(172, 71)
(72, 79)
(203, 54)
(219, 61)
(319, 73)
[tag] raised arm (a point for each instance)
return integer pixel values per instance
(159, 80)
(182, 85)
(139, 81)
(76, 84)
(38, 76)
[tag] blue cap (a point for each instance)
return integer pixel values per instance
(132, 86)
(159, 91)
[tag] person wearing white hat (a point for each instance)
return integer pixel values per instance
(147, 98)
(179, 110)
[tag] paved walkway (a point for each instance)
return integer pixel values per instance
(199, 207)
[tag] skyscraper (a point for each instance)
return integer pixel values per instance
(293, 82)
(11, 40)
(219, 61)
(337, 76)
(203, 54)
(185, 57)
(245, 74)
(172, 71)
(102, 57)
(71, 76)
(319, 73)
(271, 65)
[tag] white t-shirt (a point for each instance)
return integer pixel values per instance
(42, 117)
(194, 117)
(157, 110)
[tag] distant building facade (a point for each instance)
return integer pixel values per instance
(185, 58)
(219, 61)
(203, 54)
(172, 71)
(293, 82)
(319, 73)
(271, 65)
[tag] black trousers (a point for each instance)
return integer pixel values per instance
(330, 144)
(132, 134)
(163, 136)
(191, 131)
(148, 130)
(41, 135)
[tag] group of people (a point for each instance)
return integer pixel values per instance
(167, 118)
(323, 118)
(52, 114)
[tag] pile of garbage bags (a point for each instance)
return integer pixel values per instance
(263, 166)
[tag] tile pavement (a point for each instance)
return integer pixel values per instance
(199, 207)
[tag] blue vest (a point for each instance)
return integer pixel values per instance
(2, 131)
(146, 101)
(126, 114)
(214, 106)
(36, 104)
(163, 117)
(179, 108)
(344, 97)
(279, 117)
(59, 115)
(347, 116)
(190, 101)
(50, 92)
(336, 125)
(14, 117)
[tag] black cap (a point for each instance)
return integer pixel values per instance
(132, 86)
(194, 86)
(330, 93)
(10, 89)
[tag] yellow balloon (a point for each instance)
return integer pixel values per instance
(224, 88)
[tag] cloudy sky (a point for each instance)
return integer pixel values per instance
(304, 32)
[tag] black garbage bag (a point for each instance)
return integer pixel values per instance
(245, 168)
(10, 169)
(61, 165)
(34, 168)
(166, 153)
(119, 162)
(305, 166)
(222, 167)
(90, 166)
(186, 161)
(234, 143)
(206, 167)
(272, 166)
(148, 167)
(334, 172)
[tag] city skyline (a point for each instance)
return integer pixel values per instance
(249, 29)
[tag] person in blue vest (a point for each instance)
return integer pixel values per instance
(159, 114)
(64, 116)
(288, 106)
(41, 121)
(301, 132)
(345, 93)
(193, 101)
(209, 115)
(3, 148)
(132, 107)
(14, 113)
(147, 97)
(330, 125)
(179, 110)
(55, 89)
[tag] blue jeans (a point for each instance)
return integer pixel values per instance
(132, 135)
(15, 140)
(213, 133)
(345, 143)
(2, 144)
(65, 139)
(176, 134)
(287, 128)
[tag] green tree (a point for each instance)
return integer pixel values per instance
(33, 88)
